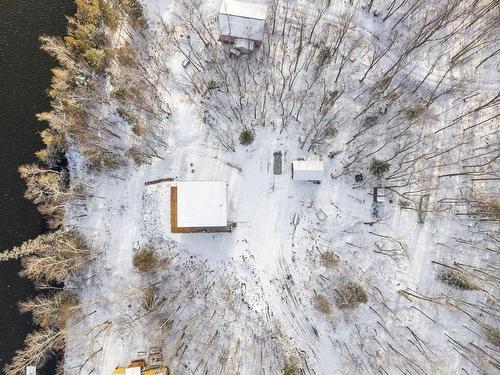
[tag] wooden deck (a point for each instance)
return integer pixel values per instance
(168, 179)
(173, 219)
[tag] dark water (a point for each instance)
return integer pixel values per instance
(24, 77)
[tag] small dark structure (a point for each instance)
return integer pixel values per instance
(277, 163)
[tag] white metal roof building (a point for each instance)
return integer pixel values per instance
(242, 22)
(307, 170)
(201, 204)
(133, 371)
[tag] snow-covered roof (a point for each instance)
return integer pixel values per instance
(201, 204)
(241, 19)
(133, 371)
(308, 170)
(244, 9)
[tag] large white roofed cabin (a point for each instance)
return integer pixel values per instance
(308, 170)
(199, 206)
(242, 23)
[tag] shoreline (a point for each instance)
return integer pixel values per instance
(25, 76)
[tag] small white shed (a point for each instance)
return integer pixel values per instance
(242, 23)
(308, 170)
(133, 371)
(30, 370)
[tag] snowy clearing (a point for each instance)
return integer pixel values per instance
(325, 277)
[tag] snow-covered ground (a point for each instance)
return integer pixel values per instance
(242, 302)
